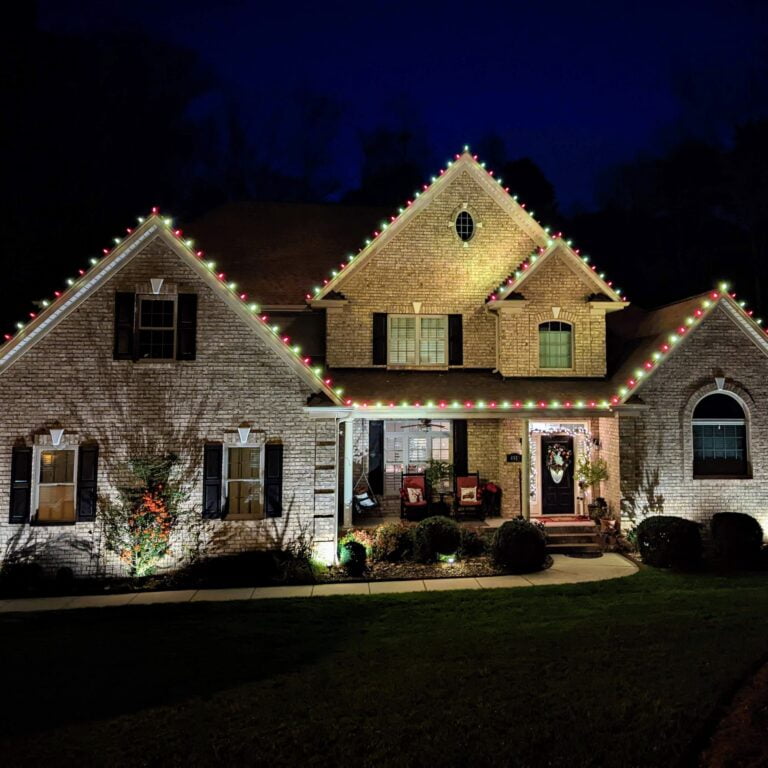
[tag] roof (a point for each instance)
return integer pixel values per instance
(278, 251)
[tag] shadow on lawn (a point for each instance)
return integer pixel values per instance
(95, 664)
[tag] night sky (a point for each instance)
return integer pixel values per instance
(578, 87)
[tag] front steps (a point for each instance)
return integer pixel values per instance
(577, 537)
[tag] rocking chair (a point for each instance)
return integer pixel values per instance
(414, 499)
(468, 495)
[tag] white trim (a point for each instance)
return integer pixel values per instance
(37, 452)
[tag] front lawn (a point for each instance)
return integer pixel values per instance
(621, 673)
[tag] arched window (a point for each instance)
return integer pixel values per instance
(719, 437)
(555, 345)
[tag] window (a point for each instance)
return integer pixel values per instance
(56, 486)
(408, 447)
(719, 437)
(244, 479)
(465, 226)
(417, 340)
(157, 328)
(555, 345)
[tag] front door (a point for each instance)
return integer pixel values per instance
(557, 492)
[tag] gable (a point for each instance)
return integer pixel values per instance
(156, 233)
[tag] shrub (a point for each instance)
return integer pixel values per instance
(393, 542)
(20, 577)
(352, 557)
(519, 546)
(666, 541)
(436, 536)
(471, 543)
(361, 536)
(738, 539)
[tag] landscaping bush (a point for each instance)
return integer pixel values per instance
(436, 536)
(666, 541)
(18, 577)
(738, 539)
(393, 542)
(361, 536)
(472, 544)
(519, 546)
(352, 557)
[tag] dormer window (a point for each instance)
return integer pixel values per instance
(555, 345)
(465, 226)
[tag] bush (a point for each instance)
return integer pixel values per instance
(738, 539)
(666, 541)
(436, 536)
(352, 557)
(361, 536)
(19, 577)
(393, 542)
(472, 544)
(519, 546)
(269, 566)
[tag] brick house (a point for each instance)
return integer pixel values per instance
(463, 331)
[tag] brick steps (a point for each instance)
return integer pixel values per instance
(575, 538)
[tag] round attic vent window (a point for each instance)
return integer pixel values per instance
(465, 226)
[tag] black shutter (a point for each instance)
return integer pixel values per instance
(460, 461)
(87, 473)
(376, 456)
(126, 347)
(455, 340)
(186, 328)
(273, 480)
(212, 476)
(379, 338)
(21, 484)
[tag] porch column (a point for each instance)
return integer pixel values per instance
(349, 459)
(525, 473)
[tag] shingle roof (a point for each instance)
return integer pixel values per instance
(277, 251)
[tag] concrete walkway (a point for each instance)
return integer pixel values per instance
(564, 570)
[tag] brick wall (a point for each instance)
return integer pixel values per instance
(132, 408)
(426, 262)
(656, 444)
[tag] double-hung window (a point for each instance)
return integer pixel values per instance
(56, 486)
(244, 483)
(555, 345)
(418, 339)
(157, 328)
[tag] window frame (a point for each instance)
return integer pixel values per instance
(37, 458)
(572, 345)
(696, 472)
(174, 329)
(261, 447)
(417, 341)
(473, 225)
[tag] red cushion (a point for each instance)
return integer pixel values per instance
(469, 503)
(415, 503)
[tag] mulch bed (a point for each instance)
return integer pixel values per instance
(740, 738)
(382, 571)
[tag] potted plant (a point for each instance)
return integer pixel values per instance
(438, 474)
(591, 473)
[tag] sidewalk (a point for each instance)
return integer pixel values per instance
(564, 570)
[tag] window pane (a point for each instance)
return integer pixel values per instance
(402, 340)
(719, 449)
(244, 499)
(417, 449)
(56, 503)
(57, 466)
(244, 463)
(156, 314)
(156, 344)
(465, 225)
(432, 340)
(555, 345)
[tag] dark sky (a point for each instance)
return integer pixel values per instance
(577, 86)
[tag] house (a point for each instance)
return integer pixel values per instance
(462, 331)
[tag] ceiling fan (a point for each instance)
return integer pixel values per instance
(425, 425)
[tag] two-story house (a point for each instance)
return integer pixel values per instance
(462, 331)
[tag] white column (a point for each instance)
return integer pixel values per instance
(525, 473)
(348, 466)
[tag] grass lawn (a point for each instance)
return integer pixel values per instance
(621, 673)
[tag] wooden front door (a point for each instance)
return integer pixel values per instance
(557, 492)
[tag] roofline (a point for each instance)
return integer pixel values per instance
(422, 199)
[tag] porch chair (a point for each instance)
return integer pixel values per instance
(468, 495)
(414, 497)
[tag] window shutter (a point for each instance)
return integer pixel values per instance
(87, 473)
(126, 347)
(21, 484)
(186, 327)
(376, 456)
(212, 477)
(379, 338)
(273, 479)
(455, 340)
(460, 461)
